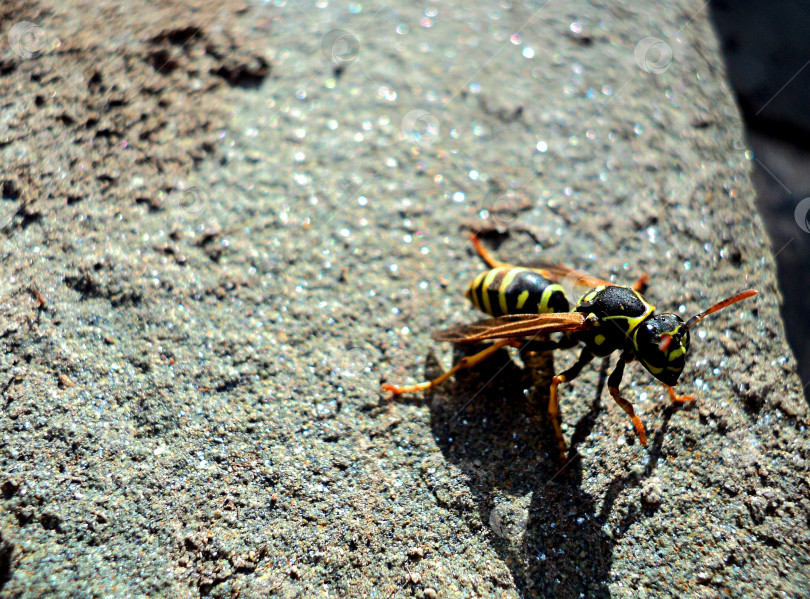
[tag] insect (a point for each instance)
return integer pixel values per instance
(529, 303)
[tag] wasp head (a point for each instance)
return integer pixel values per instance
(661, 343)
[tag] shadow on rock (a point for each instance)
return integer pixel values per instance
(542, 524)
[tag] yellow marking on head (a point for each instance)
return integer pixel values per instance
(676, 353)
(652, 369)
(490, 276)
(521, 300)
(599, 339)
(507, 280)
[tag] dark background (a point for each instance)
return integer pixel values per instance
(767, 52)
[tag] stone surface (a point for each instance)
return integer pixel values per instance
(225, 225)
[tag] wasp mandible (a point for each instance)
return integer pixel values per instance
(528, 303)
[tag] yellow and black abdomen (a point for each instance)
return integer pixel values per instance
(514, 290)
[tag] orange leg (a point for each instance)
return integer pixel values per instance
(679, 399)
(614, 381)
(554, 412)
(628, 408)
(463, 364)
(486, 256)
(641, 283)
(553, 401)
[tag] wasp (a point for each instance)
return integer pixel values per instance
(526, 304)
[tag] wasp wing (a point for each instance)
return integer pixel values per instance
(514, 325)
(576, 283)
(560, 273)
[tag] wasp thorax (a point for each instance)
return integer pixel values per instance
(619, 310)
(661, 344)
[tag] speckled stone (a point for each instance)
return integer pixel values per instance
(225, 225)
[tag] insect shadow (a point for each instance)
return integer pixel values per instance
(545, 528)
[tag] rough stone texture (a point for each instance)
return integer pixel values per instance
(217, 244)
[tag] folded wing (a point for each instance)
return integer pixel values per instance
(514, 326)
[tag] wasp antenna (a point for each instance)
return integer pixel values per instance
(719, 306)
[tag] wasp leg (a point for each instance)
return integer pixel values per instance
(679, 398)
(641, 283)
(614, 381)
(486, 256)
(553, 403)
(464, 363)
